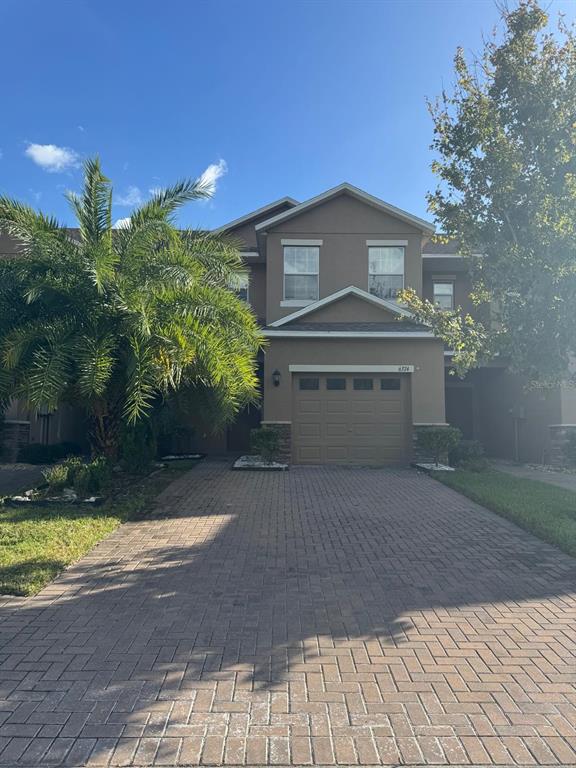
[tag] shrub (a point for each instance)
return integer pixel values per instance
(569, 449)
(466, 452)
(36, 453)
(437, 442)
(56, 477)
(265, 441)
(138, 448)
(92, 478)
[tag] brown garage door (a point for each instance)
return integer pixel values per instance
(351, 419)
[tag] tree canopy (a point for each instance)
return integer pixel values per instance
(505, 144)
(114, 320)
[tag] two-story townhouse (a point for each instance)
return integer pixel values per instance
(347, 375)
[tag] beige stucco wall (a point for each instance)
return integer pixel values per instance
(349, 309)
(446, 271)
(501, 394)
(343, 224)
(257, 290)
(425, 355)
(567, 405)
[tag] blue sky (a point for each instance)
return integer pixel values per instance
(278, 98)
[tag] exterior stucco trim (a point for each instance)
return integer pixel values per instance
(351, 368)
(254, 214)
(351, 290)
(305, 241)
(350, 335)
(376, 243)
(415, 221)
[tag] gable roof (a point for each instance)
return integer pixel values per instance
(359, 194)
(351, 290)
(254, 214)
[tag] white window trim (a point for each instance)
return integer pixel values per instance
(350, 334)
(376, 243)
(311, 243)
(401, 368)
(296, 302)
(384, 244)
(249, 254)
(300, 302)
(444, 281)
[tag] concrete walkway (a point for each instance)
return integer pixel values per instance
(16, 478)
(560, 479)
(318, 616)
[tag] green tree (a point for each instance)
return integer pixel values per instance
(505, 141)
(115, 320)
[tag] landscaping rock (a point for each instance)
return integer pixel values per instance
(257, 463)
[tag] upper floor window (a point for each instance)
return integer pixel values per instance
(240, 285)
(301, 272)
(386, 270)
(444, 294)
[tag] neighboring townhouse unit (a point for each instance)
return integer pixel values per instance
(347, 375)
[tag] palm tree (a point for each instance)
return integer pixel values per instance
(116, 319)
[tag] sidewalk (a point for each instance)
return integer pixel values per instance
(564, 480)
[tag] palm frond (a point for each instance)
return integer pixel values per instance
(94, 359)
(93, 206)
(141, 380)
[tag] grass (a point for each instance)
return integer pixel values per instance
(544, 510)
(36, 544)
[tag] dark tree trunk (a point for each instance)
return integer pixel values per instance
(105, 430)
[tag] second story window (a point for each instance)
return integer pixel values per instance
(386, 270)
(240, 285)
(444, 294)
(301, 273)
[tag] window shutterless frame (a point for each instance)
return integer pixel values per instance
(443, 293)
(309, 256)
(386, 267)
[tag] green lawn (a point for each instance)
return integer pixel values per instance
(36, 544)
(545, 510)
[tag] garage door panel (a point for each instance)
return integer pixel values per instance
(309, 429)
(334, 406)
(310, 406)
(357, 426)
(336, 453)
(336, 430)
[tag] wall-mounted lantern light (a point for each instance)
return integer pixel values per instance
(276, 378)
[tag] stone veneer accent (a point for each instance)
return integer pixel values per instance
(558, 439)
(285, 430)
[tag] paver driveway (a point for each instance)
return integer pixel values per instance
(322, 615)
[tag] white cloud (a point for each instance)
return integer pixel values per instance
(121, 223)
(52, 158)
(211, 175)
(1, 154)
(132, 197)
(36, 195)
(154, 191)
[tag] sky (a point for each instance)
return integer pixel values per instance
(267, 97)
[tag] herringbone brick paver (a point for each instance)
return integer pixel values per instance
(326, 616)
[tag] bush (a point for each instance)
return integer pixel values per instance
(437, 442)
(467, 454)
(138, 448)
(56, 477)
(36, 453)
(89, 479)
(265, 441)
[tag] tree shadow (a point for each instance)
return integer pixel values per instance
(242, 578)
